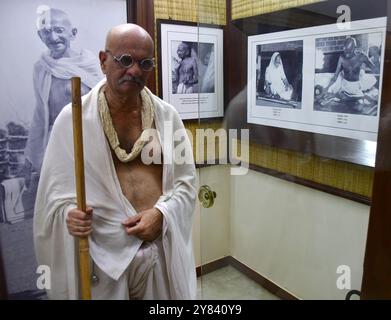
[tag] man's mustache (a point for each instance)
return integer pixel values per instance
(131, 78)
(56, 42)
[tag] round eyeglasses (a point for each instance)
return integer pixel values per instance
(46, 31)
(126, 61)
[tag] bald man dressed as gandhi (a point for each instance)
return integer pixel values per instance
(140, 186)
(51, 79)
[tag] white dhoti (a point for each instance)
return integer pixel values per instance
(183, 89)
(351, 88)
(367, 81)
(354, 89)
(145, 278)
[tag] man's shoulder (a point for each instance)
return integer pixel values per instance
(163, 104)
(362, 55)
(65, 113)
(38, 64)
(167, 108)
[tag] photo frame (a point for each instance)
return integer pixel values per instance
(345, 106)
(21, 87)
(191, 74)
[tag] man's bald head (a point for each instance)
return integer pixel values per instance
(350, 42)
(350, 47)
(129, 32)
(126, 40)
(51, 16)
(183, 50)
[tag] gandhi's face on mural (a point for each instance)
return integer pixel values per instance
(56, 32)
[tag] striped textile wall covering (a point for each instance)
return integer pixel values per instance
(249, 8)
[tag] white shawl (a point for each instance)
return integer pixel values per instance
(110, 247)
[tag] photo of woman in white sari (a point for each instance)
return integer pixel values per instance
(276, 83)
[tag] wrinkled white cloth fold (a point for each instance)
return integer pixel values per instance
(110, 247)
(353, 88)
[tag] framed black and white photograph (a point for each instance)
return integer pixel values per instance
(51, 42)
(279, 74)
(323, 79)
(347, 73)
(192, 69)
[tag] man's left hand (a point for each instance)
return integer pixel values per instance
(146, 225)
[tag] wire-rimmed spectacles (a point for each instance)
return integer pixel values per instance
(126, 61)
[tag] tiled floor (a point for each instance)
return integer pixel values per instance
(228, 283)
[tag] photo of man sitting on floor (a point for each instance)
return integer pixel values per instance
(353, 85)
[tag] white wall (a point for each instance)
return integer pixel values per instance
(293, 235)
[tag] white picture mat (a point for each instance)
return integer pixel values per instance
(195, 105)
(306, 119)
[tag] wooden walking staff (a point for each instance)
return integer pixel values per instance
(84, 255)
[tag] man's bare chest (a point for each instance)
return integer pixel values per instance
(352, 66)
(128, 131)
(140, 180)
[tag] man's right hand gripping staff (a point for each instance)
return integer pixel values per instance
(79, 223)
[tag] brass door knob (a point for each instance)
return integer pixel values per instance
(206, 196)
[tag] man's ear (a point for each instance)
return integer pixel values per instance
(102, 59)
(74, 33)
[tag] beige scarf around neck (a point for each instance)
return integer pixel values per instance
(147, 112)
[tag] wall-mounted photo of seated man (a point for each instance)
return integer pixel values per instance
(347, 74)
(279, 74)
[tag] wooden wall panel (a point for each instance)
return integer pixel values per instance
(376, 283)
